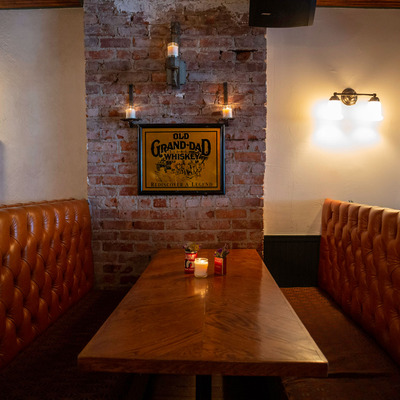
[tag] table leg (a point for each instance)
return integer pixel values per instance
(203, 387)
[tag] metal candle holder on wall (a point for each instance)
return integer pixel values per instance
(227, 109)
(130, 112)
(176, 68)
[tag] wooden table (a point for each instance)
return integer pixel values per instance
(173, 323)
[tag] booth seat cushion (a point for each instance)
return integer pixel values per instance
(360, 267)
(354, 388)
(48, 369)
(46, 266)
(349, 350)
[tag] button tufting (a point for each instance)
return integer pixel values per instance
(360, 266)
(32, 286)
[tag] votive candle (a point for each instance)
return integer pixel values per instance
(200, 267)
(173, 49)
(130, 112)
(227, 112)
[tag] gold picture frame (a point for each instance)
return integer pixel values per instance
(181, 159)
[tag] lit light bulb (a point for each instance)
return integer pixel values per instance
(374, 109)
(334, 109)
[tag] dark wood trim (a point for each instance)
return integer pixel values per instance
(14, 4)
(359, 3)
(292, 259)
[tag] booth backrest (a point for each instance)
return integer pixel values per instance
(360, 267)
(46, 266)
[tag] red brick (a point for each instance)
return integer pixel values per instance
(247, 225)
(145, 248)
(181, 225)
(116, 180)
(117, 65)
(118, 158)
(114, 246)
(249, 179)
(199, 237)
(145, 202)
(167, 236)
(159, 77)
(149, 225)
(127, 169)
(232, 236)
(128, 191)
(101, 191)
(101, 146)
(160, 203)
(249, 157)
(100, 54)
(116, 225)
(165, 214)
(128, 229)
(135, 214)
(135, 236)
(115, 42)
(214, 225)
(127, 146)
(231, 214)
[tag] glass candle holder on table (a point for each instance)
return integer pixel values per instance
(200, 267)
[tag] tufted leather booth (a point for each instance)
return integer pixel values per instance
(360, 267)
(46, 266)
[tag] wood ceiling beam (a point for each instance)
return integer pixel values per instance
(14, 4)
(359, 3)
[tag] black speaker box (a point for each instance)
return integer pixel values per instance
(281, 13)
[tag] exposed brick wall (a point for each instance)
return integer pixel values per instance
(125, 47)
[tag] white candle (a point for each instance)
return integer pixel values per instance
(173, 49)
(227, 112)
(130, 112)
(200, 267)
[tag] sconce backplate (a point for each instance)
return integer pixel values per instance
(176, 72)
(349, 96)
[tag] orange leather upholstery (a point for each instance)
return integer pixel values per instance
(360, 267)
(46, 266)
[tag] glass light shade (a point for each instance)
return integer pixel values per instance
(227, 112)
(334, 109)
(374, 110)
(173, 49)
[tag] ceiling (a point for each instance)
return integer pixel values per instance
(9, 4)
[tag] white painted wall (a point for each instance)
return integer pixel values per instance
(42, 105)
(355, 48)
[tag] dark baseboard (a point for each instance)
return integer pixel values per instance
(292, 260)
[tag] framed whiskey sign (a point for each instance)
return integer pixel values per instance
(181, 159)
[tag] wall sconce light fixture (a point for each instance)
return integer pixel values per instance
(349, 97)
(130, 112)
(176, 68)
(226, 109)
